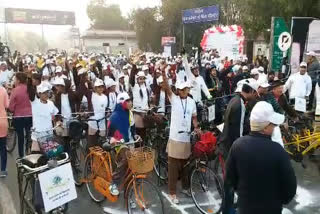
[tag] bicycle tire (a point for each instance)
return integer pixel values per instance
(152, 193)
(161, 168)
(77, 163)
(218, 168)
(93, 193)
(206, 190)
(11, 140)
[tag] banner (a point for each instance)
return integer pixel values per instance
(48, 17)
(227, 40)
(203, 14)
(314, 37)
(278, 26)
(57, 187)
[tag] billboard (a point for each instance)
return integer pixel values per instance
(168, 40)
(48, 17)
(203, 14)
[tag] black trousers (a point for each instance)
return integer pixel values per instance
(22, 126)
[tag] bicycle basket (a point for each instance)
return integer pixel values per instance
(50, 145)
(205, 146)
(141, 160)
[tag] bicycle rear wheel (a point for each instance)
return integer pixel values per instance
(89, 177)
(206, 190)
(11, 140)
(218, 165)
(148, 195)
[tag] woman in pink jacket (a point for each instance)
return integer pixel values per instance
(4, 104)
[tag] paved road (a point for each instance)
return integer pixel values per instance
(306, 201)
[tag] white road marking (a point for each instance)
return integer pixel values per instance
(179, 207)
(6, 200)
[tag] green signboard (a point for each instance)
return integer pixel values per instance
(278, 26)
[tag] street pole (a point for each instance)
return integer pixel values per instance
(183, 36)
(42, 35)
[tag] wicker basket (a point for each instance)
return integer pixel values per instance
(141, 160)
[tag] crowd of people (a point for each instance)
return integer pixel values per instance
(40, 91)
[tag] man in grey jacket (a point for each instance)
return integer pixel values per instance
(313, 71)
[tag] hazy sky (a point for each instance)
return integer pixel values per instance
(78, 6)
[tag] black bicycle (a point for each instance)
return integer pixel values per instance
(205, 185)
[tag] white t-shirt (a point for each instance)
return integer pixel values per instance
(181, 118)
(112, 101)
(99, 104)
(65, 109)
(42, 115)
(138, 102)
(5, 77)
(162, 102)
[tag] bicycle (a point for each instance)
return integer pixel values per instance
(76, 147)
(28, 169)
(137, 189)
(28, 183)
(206, 187)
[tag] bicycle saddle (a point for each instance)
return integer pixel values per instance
(107, 147)
(34, 160)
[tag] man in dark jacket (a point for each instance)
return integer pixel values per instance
(258, 169)
(234, 116)
(313, 71)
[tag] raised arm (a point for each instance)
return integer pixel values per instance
(166, 85)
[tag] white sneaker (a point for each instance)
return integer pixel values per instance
(114, 190)
(187, 192)
(133, 204)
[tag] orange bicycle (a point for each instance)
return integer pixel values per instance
(141, 196)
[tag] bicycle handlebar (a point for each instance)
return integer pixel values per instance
(108, 147)
(41, 168)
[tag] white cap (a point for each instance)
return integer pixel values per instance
(121, 75)
(254, 71)
(245, 68)
(160, 80)
(98, 83)
(109, 83)
(125, 67)
(264, 85)
(263, 112)
(48, 61)
(59, 81)
(82, 71)
(3, 63)
(303, 64)
(181, 85)
(250, 82)
(145, 68)
(42, 88)
(311, 53)
(261, 69)
(123, 97)
(141, 74)
(58, 69)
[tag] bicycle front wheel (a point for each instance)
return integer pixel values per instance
(144, 197)
(89, 177)
(206, 190)
(77, 162)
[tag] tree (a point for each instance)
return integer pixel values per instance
(148, 27)
(106, 17)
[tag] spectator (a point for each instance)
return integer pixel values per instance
(313, 71)
(4, 104)
(20, 106)
(299, 84)
(264, 183)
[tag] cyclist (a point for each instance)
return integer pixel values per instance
(121, 126)
(99, 104)
(43, 111)
(20, 106)
(4, 104)
(183, 115)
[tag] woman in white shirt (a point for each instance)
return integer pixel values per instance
(99, 104)
(183, 115)
(140, 94)
(43, 112)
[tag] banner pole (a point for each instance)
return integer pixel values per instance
(183, 36)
